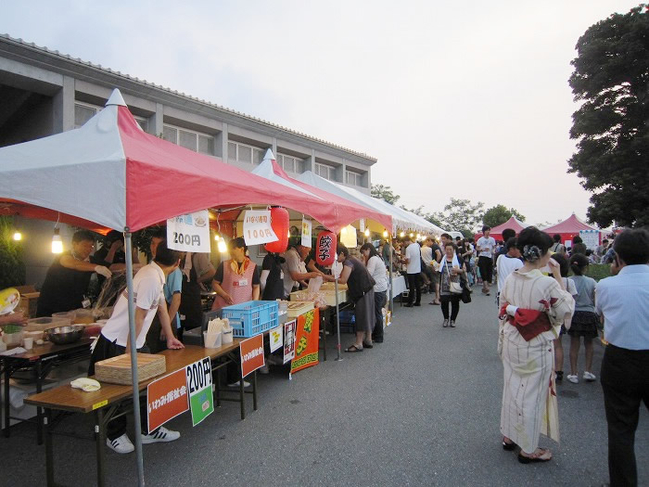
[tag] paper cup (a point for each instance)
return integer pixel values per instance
(212, 340)
(28, 343)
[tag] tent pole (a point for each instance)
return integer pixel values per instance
(389, 243)
(338, 347)
(128, 250)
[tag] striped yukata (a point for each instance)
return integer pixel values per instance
(529, 405)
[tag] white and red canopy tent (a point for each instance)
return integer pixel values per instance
(513, 223)
(111, 174)
(569, 228)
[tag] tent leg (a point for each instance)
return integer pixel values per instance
(338, 346)
(390, 275)
(128, 250)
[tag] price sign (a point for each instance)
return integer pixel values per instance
(257, 227)
(199, 385)
(289, 340)
(189, 233)
(276, 337)
(306, 233)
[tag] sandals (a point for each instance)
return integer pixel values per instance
(353, 349)
(540, 455)
(511, 446)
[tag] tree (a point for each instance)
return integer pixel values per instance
(461, 215)
(385, 193)
(426, 216)
(611, 79)
(498, 214)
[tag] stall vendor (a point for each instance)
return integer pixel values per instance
(68, 277)
(237, 279)
(115, 338)
(197, 270)
(293, 257)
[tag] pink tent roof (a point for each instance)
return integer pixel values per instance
(569, 225)
(513, 223)
(112, 173)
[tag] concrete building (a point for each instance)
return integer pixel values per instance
(43, 92)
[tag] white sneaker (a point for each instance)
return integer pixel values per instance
(120, 445)
(161, 435)
(589, 377)
(573, 378)
(236, 384)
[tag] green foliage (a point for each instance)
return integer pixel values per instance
(598, 271)
(12, 267)
(461, 215)
(611, 80)
(498, 214)
(385, 193)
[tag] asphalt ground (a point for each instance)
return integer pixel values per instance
(422, 408)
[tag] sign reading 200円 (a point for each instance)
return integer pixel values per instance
(189, 233)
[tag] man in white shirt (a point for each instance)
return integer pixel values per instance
(508, 263)
(486, 246)
(115, 338)
(413, 270)
(623, 301)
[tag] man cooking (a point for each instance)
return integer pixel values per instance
(66, 283)
(293, 273)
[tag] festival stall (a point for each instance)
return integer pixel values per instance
(572, 227)
(110, 174)
(513, 223)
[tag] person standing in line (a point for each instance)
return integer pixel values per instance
(623, 301)
(451, 271)
(486, 246)
(569, 285)
(585, 319)
(508, 262)
(507, 234)
(533, 308)
(435, 259)
(578, 246)
(376, 268)
(413, 270)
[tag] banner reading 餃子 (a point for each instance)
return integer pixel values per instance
(307, 339)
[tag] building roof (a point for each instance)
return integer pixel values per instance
(86, 64)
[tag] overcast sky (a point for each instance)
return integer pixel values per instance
(464, 99)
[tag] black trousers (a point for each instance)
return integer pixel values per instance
(107, 349)
(454, 299)
(414, 287)
(625, 380)
(379, 301)
(486, 265)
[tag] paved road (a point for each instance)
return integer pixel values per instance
(420, 409)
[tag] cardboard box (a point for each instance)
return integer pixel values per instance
(28, 300)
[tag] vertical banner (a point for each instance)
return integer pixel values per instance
(306, 232)
(252, 354)
(257, 228)
(166, 398)
(307, 339)
(289, 340)
(199, 384)
(276, 338)
(189, 233)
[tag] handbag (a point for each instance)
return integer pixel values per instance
(455, 287)
(466, 294)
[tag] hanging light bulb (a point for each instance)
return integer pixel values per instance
(222, 246)
(385, 233)
(412, 234)
(418, 237)
(402, 234)
(18, 236)
(367, 232)
(216, 237)
(57, 243)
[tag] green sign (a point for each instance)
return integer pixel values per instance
(199, 385)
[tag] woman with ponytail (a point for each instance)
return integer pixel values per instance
(585, 319)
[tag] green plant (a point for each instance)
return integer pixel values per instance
(598, 271)
(12, 267)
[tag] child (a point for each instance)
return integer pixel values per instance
(564, 267)
(585, 319)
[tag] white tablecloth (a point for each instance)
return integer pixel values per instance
(398, 285)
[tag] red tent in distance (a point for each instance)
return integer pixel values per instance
(569, 228)
(513, 223)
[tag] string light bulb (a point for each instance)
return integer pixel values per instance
(412, 234)
(57, 243)
(18, 236)
(402, 234)
(367, 232)
(385, 233)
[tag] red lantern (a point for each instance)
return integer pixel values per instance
(325, 250)
(279, 222)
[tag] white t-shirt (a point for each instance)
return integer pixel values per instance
(376, 268)
(413, 254)
(487, 246)
(505, 265)
(291, 264)
(147, 293)
(427, 254)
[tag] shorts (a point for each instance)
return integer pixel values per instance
(486, 265)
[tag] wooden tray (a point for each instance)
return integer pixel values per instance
(117, 370)
(297, 308)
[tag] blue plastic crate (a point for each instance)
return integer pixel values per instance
(252, 317)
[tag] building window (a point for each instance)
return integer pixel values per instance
(249, 154)
(189, 139)
(325, 171)
(85, 111)
(290, 163)
(353, 178)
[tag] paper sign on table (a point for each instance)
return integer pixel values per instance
(189, 233)
(199, 385)
(257, 227)
(289, 340)
(276, 336)
(252, 354)
(166, 399)
(306, 233)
